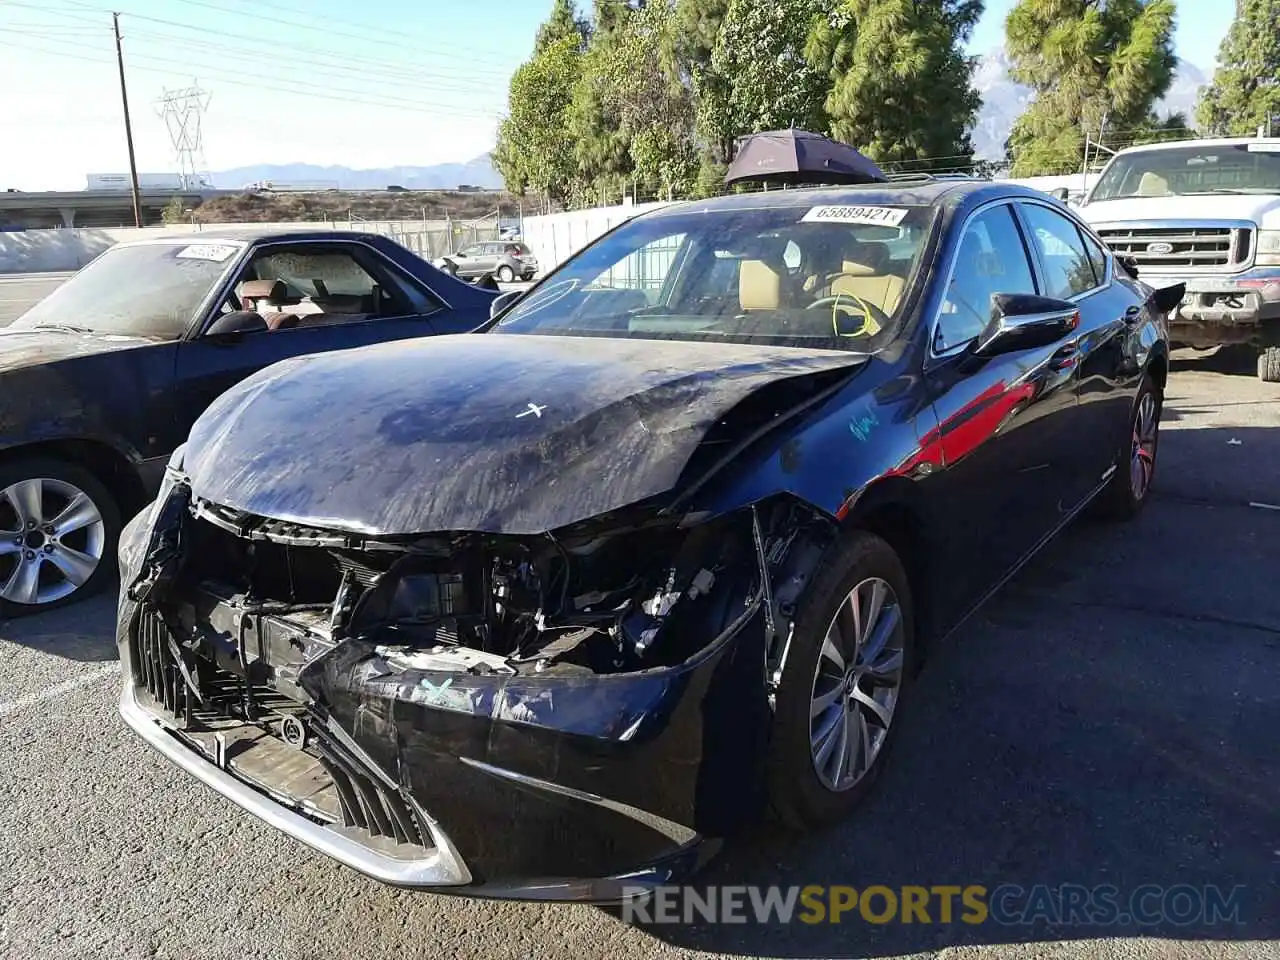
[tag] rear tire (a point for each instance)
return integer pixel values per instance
(1130, 487)
(59, 527)
(833, 669)
(1269, 365)
(506, 274)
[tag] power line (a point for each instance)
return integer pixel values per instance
(416, 105)
(374, 36)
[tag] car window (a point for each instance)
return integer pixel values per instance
(1068, 267)
(1097, 256)
(317, 286)
(471, 251)
(830, 276)
(990, 259)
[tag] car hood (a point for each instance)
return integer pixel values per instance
(493, 432)
(1218, 206)
(29, 348)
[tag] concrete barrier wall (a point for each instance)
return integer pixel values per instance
(54, 251)
(554, 237)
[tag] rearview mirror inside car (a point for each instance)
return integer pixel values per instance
(502, 301)
(236, 323)
(1020, 321)
(1167, 298)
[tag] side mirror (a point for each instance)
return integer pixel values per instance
(1020, 321)
(236, 324)
(504, 300)
(1059, 193)
(1167, 298)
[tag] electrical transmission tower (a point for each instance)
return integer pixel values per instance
(182, 111)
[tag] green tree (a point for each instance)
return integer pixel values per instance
(1091, 63)
(1245, 91)
(534, 150)
(763, 80)
(901, 83)
(694, 35)
(174, 211)
(564, 23)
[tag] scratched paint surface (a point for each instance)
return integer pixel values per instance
(511, 434)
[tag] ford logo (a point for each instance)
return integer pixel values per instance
(1160, 247)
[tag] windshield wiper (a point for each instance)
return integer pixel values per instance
(65, 327)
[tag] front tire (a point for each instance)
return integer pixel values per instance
(1269, 365)
(58, 532)
(851, 657)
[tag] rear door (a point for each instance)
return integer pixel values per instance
(1005, 422)
(343, 295)
(1074, 266)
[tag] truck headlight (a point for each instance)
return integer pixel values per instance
(1268, 248)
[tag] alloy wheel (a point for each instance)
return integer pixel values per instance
(1142, 456)
(856, 684)
(52, 538)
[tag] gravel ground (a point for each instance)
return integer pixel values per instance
(1110, 718)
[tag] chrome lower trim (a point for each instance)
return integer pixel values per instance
(442, 867)
(668, 828)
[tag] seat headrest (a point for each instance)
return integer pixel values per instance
(867, 259)
(273, 290)
(759, 286)
(1152, 185)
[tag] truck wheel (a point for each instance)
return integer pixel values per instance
(58, 531)
(1269, 365)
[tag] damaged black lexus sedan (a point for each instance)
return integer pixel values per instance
(549, 610)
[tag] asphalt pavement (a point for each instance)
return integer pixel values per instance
(1111, 717)
(20, 291)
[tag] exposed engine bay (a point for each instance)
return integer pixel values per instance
(607, 596)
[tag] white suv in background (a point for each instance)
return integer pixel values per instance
(1207, 213)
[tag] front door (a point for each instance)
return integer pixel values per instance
(1004, 421)
(332, 296)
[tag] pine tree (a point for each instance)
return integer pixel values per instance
(901, 82)
(1094, 66)
(1245, 92)
(563, 23)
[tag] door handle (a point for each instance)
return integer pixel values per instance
(1132, 313)
(1066, 355)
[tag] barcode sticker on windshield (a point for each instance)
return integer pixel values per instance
(883, 216)
(216, 252)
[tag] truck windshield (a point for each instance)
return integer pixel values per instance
(821, 276)
(147, 290)
(1185, 171)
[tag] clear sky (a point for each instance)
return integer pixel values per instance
(363, 84)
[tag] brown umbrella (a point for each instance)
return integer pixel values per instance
(798, 156)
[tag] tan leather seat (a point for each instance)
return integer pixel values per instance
(1153, 185)
(868, 278)
(759, 286)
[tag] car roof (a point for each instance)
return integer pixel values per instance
(915, 192)
(247, 235)
(1209, 142)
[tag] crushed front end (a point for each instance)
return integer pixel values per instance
(563, 717)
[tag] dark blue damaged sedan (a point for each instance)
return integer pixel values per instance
(551, 609)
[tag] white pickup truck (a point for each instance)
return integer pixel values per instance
(1207, 213)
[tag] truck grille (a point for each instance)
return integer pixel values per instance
(1202, 247)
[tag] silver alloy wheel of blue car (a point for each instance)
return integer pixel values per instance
(856, 684)
(1142, 456)
(52, 537)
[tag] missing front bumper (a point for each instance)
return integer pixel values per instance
(437, 867)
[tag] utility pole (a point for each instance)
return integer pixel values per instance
(128, 129)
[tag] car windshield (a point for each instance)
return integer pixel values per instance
(828, 276)
(149, 290)
(1186, 171)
